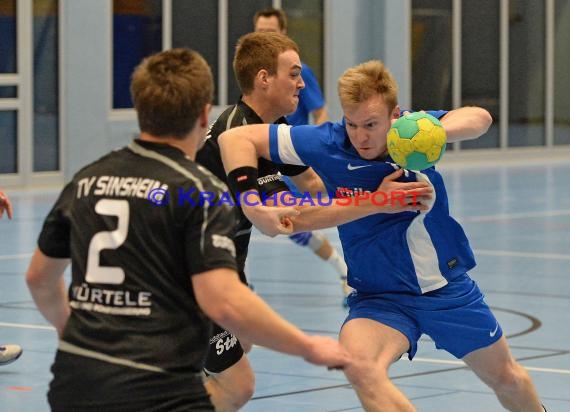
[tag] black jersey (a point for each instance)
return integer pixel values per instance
(136, 230)
(269, 179)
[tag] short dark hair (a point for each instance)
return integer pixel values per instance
(256, 51)
(270, 12)
(169, 90)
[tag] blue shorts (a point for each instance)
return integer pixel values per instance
(456, 316)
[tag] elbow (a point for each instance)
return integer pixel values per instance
(34, 279)
(44, 272)
(37, 282)
(218, 313)
(220, 310)
(486, 120)
(482, 121)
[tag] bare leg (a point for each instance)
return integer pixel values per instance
(231, 389)
(375, 347)
(325, 251)
(511, 382)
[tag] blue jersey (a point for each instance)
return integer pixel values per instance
(406, 252)
(310, 98)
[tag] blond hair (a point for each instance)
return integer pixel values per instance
(359, 83)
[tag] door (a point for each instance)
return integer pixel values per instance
(30, 143)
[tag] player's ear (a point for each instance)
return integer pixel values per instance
(263, 77)
(396, 112)
(204, 115)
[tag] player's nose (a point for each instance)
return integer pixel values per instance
(360, 134)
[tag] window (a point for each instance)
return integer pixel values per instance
(195, 25)
(137, 33)
(561, 73)
(46, 86)
(431, 54)
(8, 65)
(480, 48)
(305, 18)
(526, 73)
(8, 141)
(8, 36)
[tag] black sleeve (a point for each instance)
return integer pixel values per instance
(209, 236)
(54, 239)
(291, 170)
(209, 156)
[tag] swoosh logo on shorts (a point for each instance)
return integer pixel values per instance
(493, 333)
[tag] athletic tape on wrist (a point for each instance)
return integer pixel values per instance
(242, 179)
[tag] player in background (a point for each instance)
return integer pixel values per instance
(311, 102)
(409, 270)
(8, 353)
(151, 263)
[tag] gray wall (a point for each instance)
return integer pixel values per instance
(89, 130)
(355, 31)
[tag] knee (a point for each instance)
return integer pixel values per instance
(248, 388)
(243, 391)
(232, 389)
(366, 372)
(512, 378)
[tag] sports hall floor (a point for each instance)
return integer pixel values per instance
(514, 207)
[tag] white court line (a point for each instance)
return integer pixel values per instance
(416, 359)
(514, 216)
(461, 363)
(20, 256)
(26, 326)
(482, 252)
(531, 255)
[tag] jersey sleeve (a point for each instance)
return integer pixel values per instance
(438, 114)
(298, 145)
(209, 157)
(291, 170)
(209, 235)
(54, 239)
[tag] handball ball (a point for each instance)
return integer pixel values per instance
(416, 141)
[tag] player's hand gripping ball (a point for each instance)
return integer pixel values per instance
(416, 141)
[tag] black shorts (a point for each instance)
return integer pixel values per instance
(224, 352)
(91, 385)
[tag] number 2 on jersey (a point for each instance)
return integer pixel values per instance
(110, 239)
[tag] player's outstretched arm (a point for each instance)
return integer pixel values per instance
(231, 304)
(271, 221)
(390, 197)
(466, 123)
(310, 181)
(240, 148)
